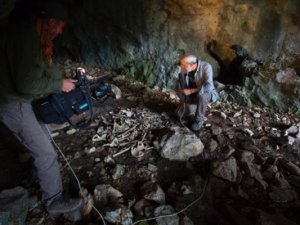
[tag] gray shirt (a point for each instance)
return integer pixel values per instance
(203, 79)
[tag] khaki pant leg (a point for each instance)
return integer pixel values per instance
(20, 119)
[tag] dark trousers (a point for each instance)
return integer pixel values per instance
(20, 119)
(194, 105)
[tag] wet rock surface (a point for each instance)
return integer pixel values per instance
(246, 173)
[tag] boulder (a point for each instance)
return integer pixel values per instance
(182, 145)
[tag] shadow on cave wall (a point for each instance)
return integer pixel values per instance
(240, 67)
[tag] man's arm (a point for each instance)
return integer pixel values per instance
(184, 91)
(208, 75)
(34, 80)
(207, 79)
(188, 91)
(29, 72)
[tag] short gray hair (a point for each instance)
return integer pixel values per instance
(190, 59)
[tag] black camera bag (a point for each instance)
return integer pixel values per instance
(58, 108)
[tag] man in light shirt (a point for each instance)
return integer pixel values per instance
(195, 89)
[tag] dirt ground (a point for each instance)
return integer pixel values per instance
(225, 134)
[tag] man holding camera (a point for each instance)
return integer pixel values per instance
(27, 72)
(195, 89)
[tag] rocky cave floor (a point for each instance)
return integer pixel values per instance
(247, 173)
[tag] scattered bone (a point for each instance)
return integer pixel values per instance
(90, 150)
(128, 113)
(55, 134)
(57, 127)
(97, 160)
(186, 190)
(121, 152)
(139, 150)
(117, 92)
(109, 160)
(248, 131)
(114, 143)
(129, 130)
(120, 128)
(71, 131)
(223, 115)
(238, 114)
(256, 115)
(97, 137)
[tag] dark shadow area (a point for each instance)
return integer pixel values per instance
(16, 163)
(233, 73)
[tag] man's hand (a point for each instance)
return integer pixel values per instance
(68, 85)
(186, 91)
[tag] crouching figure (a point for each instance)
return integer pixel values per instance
(195, 89)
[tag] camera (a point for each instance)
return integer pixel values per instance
(60, 107)
(97, 88)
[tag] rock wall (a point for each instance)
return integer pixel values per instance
(144, 39)
(150, 34)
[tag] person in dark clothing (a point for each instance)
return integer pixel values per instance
(27, 72)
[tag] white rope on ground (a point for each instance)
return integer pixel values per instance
(175, 214)
(73, 172)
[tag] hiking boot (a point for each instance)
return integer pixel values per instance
(196, 126)
(64, 205)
